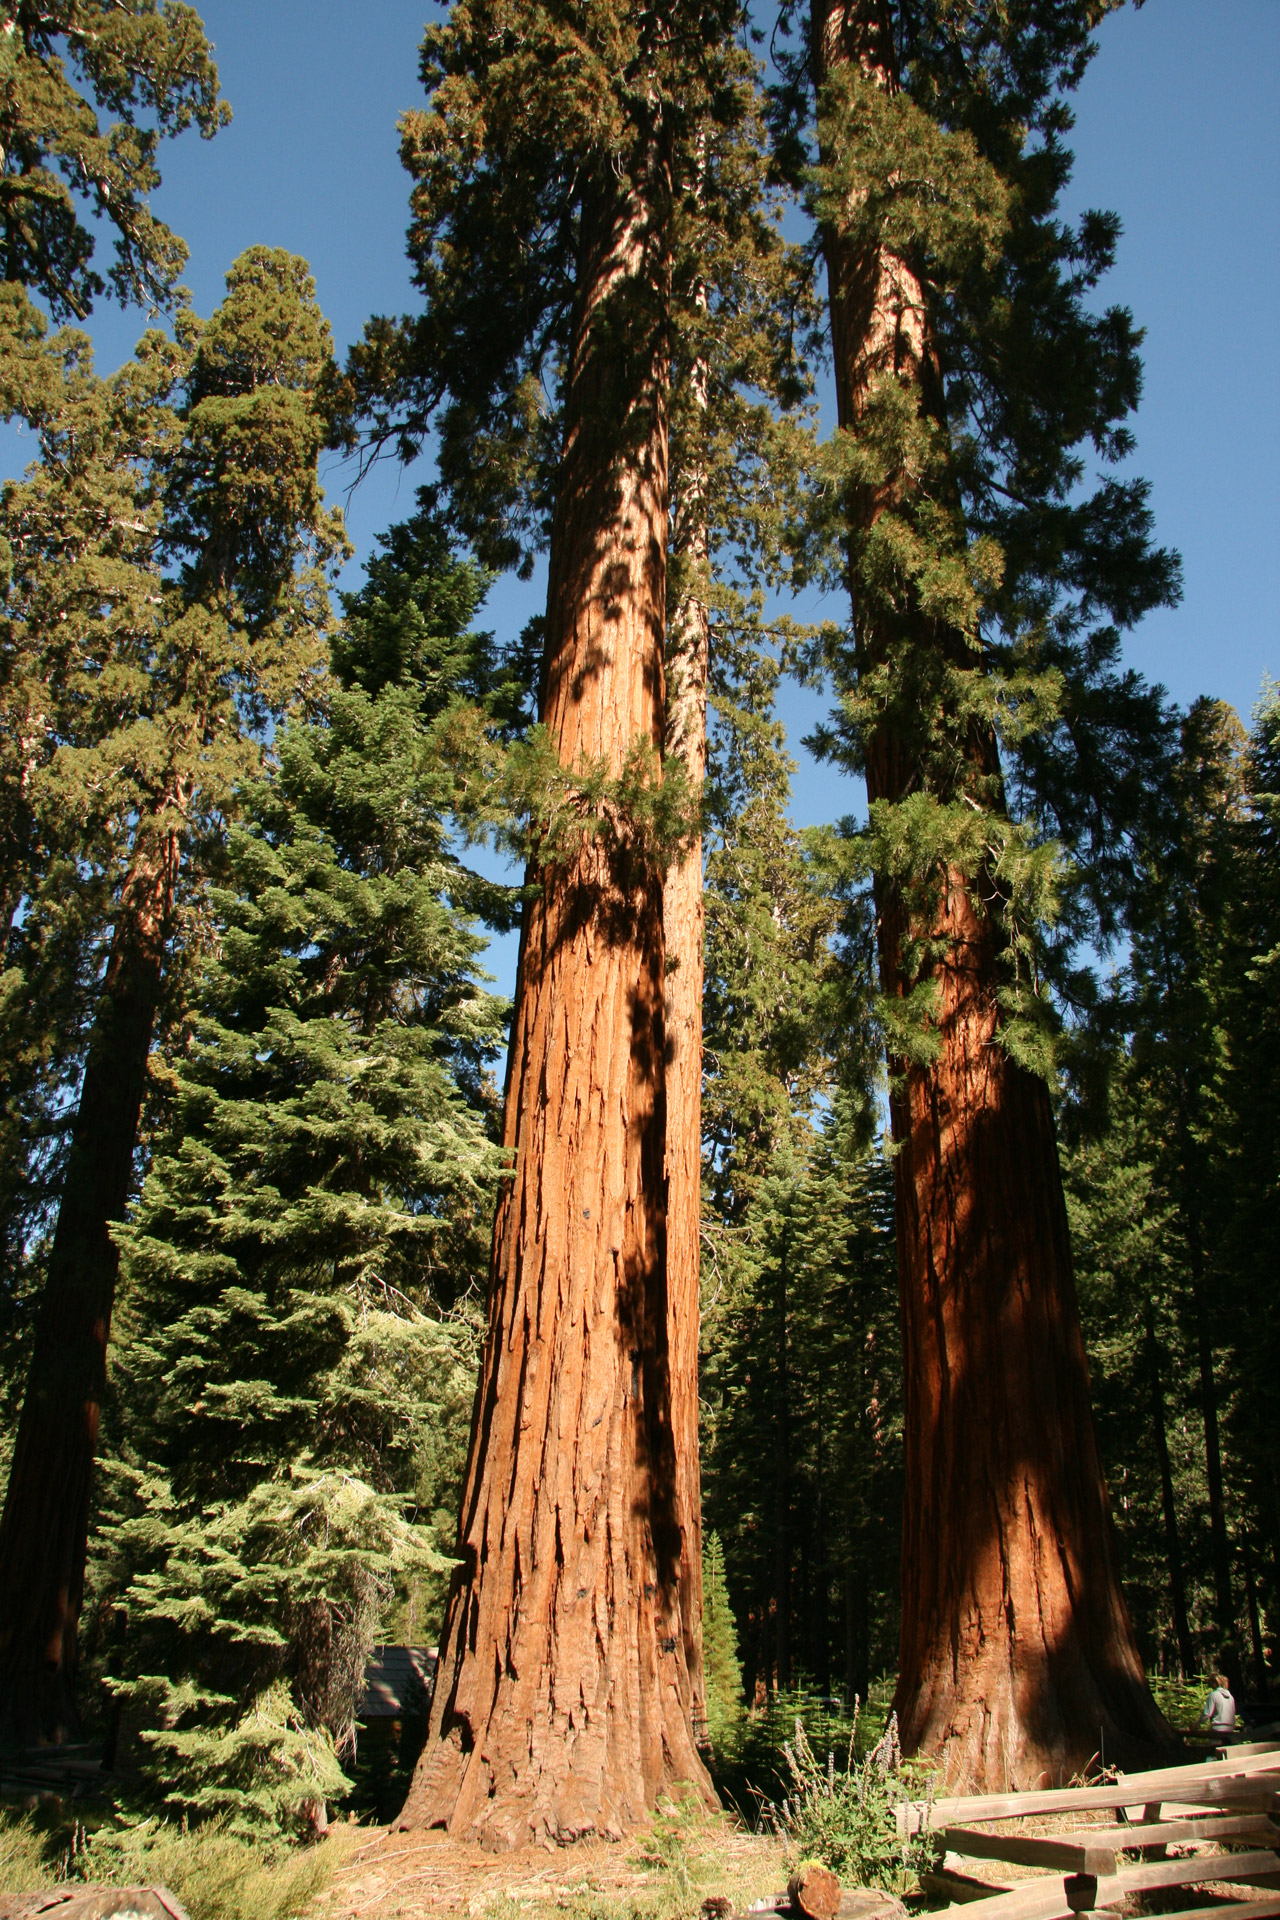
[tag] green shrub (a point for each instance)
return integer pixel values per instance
(750, 1766)
(844, 1816)
(214, 1873)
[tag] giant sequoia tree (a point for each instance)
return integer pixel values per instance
(555, 167)
(981, 698)
(547, 169)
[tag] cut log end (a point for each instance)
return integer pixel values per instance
(814, 1892)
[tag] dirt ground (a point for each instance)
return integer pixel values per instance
(660, 1874)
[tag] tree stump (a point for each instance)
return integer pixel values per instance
(814, 1891)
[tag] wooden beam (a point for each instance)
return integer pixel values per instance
(1064, 1896)
(1085, 1892)
(958, 1888)
(1258, 1827)
(1212, 1784)
(1234, 1910)
(1094, 1849)
(1070, 1853)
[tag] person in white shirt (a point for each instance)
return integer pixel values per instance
(1220, 1708)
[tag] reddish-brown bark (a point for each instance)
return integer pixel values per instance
(44, 1529)
(1018, 1659)
(682, 917)
(563, 1700)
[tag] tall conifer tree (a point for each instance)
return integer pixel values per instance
(550, 170)
(981, 698)
(299, 1325)
(227, 628)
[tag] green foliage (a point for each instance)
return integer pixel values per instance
(845, 1816)
(214, 1874)
(146, 62)
(720, 1661)
(299, 1329)
(800, 1369)
(991, 571)
(138, 678)
(1171, 1174)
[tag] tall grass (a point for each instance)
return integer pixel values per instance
(215, 1874)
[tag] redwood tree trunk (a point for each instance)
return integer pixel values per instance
(688, 647)
(563, 1702)
(1017, 1652)
(44, 1530)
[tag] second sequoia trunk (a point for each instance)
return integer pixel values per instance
(563, 1701)
(1018, 1657)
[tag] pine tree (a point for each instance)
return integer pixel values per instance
(214, 625)
(981, 698)
(299, 1291)
(719, 1647)
(146, 63)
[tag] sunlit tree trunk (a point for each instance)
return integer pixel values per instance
(688, 643)
(44, 1530)
(1017, 1652)
(563, 1702)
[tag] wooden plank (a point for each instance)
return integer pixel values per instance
(1195, 1786)
(1233, 1910)
(1094, 1849)
(1258, 1827)
(1070, 1853)
(1084, 1892)
(958, 1888)
(1062, 1896)
(1042, 1899)
(1248, 1748)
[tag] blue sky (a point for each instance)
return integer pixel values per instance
(1177, 130)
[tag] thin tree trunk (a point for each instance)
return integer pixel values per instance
(563, 1702)
(1224, 1603)
(1191, 1170)
(688, 650)
(782, 1486)
(1173, 1544)
(1016, 1647)
(44, 1530)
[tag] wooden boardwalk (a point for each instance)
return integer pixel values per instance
(1221, 1817)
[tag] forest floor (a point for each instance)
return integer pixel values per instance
(663, 1873)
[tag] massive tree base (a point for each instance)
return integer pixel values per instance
(565, 1694)
(1019, 1666)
